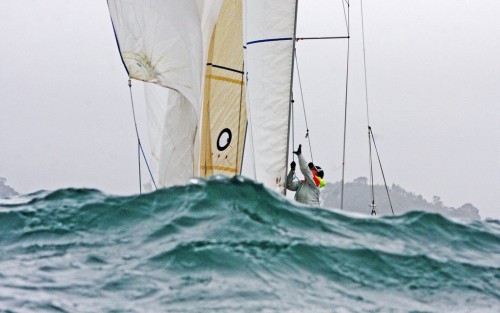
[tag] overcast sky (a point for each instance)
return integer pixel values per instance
(433, 74)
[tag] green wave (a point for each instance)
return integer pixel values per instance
(232, 245)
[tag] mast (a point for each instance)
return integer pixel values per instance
(290, 100)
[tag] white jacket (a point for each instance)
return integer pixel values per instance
(306, 191)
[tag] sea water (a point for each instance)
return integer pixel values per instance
(230, 245)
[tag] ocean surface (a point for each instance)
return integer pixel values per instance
(230, 245)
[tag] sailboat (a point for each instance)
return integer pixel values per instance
(204, 63)
(218, 82)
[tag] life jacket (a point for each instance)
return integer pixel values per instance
(321, 182)
(318, 181)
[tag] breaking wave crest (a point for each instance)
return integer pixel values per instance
(230, 245)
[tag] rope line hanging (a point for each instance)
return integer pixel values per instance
(308, 137)
(247, 96)
(239, 117)
(139, 145)
(381, 169)
(292, 122)
(344, 2)
(348, 18)
(347, 21)
(364, 63)
(293, 128)
(372, 188)
(371, 138)
(250, 123)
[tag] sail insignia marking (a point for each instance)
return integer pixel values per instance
(224, 134)
(141, 67)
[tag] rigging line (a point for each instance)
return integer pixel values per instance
(139, 142)
(133, 109)
(247, 95)
(293, 133)
(139, 164)
(293, 129)
(290, 98)
(204, 134)
(149, 169)
(304, 107)
(370, 133)
(382, 170)
(367, 112)
(337, 168)
(239, 122)
(206, 125)
(345, 107)
(364, 62)
(371, 171)
(137, 135)
(345, 15)
(207, 143)
(320, 38)
(250, 121)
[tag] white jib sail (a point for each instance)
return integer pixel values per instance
(165, 42)
(269, 33)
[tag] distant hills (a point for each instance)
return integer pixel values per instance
(5, 190)
(357, 198)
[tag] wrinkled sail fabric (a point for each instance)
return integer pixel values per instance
(171, 139)
(224, 110)
(165, 42)
(160, 42)
(269, 34)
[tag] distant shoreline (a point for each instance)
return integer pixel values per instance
(357, 198)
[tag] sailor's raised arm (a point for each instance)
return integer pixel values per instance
(304, 168)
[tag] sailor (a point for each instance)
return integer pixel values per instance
(307, 190)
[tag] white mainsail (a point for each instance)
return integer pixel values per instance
(165, 42)
(224, 112)
(270, 33)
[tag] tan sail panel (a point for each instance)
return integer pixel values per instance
(224, 113)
